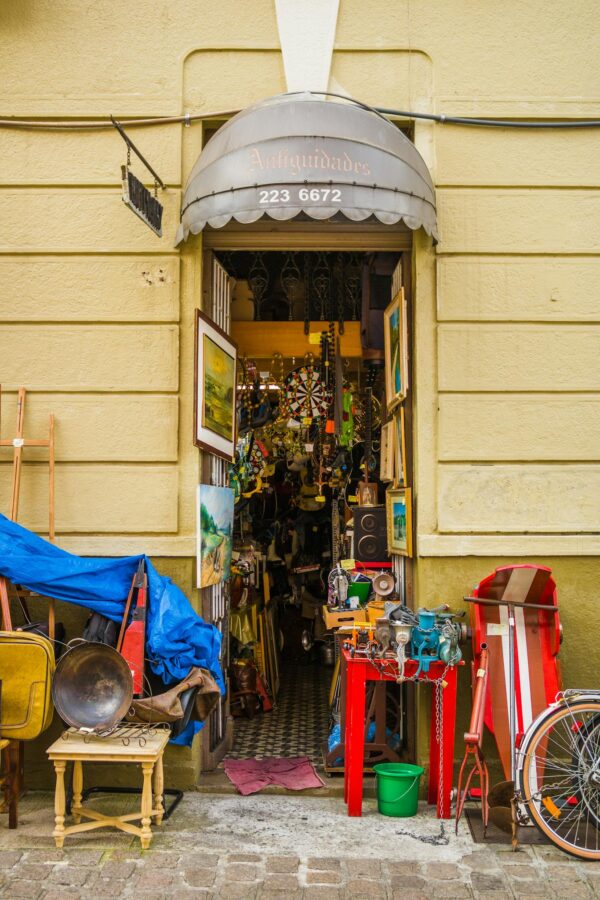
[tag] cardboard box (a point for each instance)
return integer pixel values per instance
(376, 608)
(335, 618)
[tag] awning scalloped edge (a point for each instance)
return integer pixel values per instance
(248, 217)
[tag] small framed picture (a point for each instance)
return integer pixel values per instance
(214, 388)
(367, 493)
(214, 534)
(399, 520)
(396, 350)
(399, 448)
(386, 455)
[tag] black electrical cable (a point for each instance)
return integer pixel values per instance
(487, 123)
(381, 111)
(107, 123)
(458, 120)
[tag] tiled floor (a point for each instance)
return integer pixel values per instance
(297, 726)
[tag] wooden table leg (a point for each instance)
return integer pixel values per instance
(59, 803)
(355, 736)
(146, 835)
(77, 791)
(449, 726)
(158, 784)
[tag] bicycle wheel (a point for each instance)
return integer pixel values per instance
(590, 732)
(559, 776)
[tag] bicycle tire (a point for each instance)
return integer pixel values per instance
(573, 783)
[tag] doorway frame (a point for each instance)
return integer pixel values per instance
(270, 235)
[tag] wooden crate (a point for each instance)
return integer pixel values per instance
(336, 618)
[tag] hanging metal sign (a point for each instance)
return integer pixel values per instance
(135, 194)
(138, 198)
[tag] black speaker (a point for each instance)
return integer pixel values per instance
(370, 534)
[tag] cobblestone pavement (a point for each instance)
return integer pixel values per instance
(268, 847)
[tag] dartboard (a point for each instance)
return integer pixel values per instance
(305, 397)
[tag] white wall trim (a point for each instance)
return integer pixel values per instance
(307, 33)
(128, 545)
(516, 545)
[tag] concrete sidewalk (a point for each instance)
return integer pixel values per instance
(268, 846)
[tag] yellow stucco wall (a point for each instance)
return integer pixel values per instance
(96, 312)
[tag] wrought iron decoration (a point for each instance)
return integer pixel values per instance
(258, 279)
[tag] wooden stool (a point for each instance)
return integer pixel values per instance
(133, 745)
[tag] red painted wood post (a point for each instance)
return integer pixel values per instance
(449, 727)
(355, 742)
(345, 720)
(434, 757)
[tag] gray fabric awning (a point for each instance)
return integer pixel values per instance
(299, 153)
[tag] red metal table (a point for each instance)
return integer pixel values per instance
(359, 670)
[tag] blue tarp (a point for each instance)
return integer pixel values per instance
(176, 637)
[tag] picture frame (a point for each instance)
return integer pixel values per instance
(399, 449)
(387, 461)
(398, 502)
(215, 381)
(367, 493)
(214, 534)
(396, 350)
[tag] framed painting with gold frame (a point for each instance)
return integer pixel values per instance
(215, 363)
(398, 503)
(395, 335)
(399, 448)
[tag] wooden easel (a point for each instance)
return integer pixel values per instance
(18, 443)
(14, 756)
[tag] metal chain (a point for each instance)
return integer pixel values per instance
(438, 686)
(439, 734)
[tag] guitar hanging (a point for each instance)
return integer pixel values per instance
(321, 440)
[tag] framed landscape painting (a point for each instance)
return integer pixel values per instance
(214, 534)
(399, 520)
(214, 388)
(396, 350)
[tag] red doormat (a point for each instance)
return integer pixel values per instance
(252, 775)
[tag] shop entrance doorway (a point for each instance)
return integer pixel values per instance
(309, 325)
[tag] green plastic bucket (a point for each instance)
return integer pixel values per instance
(398, 789)
(360, 589)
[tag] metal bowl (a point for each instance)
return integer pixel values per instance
(92, 687)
